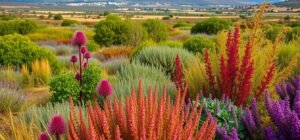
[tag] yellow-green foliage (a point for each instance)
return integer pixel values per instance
(60, 34)
(10, 75)
(116, 52)
(195, 77)
(39, 76)
(17, 128)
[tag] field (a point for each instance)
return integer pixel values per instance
(68, 73)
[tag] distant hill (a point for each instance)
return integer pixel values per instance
(289, 3)
(172, 2)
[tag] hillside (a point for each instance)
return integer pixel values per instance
(289, 3)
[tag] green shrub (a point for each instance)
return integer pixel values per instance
(181, 24)
(17, 26)
(294, 34)
(223, 112)
(64, 85)
(285, 55)
(7, 17)
(27, 26)
(197, 43)
(128, 77)
(171, 43)
(163, 57)
(114, 31)
(272, 33)
(157, 30)
(68, 22)
(210, 26)
(16, 50)
(92, 46)
(58, 17)
(11, 99)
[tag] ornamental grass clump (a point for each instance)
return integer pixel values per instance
(141, 118)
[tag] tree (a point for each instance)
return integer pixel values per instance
(58, 17)
(68, 22)
(157, 30)
(115, 31)
(27, 26)
(210, 26)
(197, 43)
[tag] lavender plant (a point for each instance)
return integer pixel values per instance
(285, 112)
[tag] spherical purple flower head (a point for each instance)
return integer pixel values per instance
(87, 55)
(270, 134)
(79, 39)
(77, 76)
(104, 88)
(83, 49)
(57, 125)
(74, 59)
(43, 136)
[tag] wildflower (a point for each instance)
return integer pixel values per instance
(78, 76)
(83, 49)
(73, 59)
(87, 55)
(57, 126)
(43, 136)
(79, 39)
(104, 88)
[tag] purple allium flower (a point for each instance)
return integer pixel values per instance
(83, 49)
(104, 88)
(79, 39)
(43, 136)
(57, 125)
(77, 76)
(87, 55)
(234, 135)
(270, 134)
(73, 59)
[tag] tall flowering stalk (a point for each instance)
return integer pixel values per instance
(79, 40)
(141, 118)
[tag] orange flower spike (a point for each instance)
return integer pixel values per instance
(105, 125)
(202, 131)
(117, 133)
(92, 130)
(72, 132)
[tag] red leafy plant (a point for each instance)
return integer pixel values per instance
(141, 118)
(235, 76)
